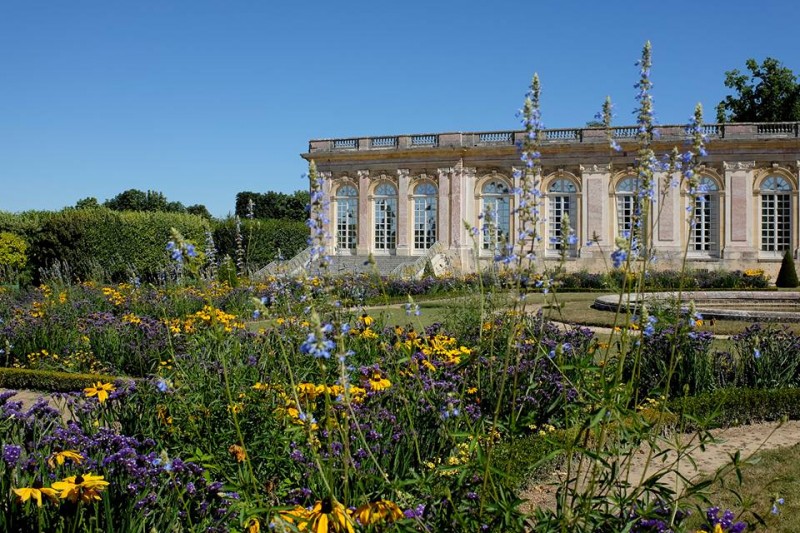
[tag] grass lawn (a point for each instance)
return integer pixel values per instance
(770, 474)
(568, 307)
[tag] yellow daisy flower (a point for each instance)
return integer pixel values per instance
(35, 492)
(100, 390)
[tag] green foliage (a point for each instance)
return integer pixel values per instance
(90, 202)
(263, 240)
(771, 93)
(766, 357)
(13, 250)
(113, 245)
(48, 380)
(273, 205)
(787, 276)
(735, 406)
(152, 201)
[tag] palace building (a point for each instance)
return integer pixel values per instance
(409, 199)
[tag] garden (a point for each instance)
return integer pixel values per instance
(193, 397)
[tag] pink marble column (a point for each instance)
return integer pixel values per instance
(403, 202)
(443, 206)
(364, 245)
(456, 201)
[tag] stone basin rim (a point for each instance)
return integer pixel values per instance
(705, 302)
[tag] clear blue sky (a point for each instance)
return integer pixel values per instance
(203, 99)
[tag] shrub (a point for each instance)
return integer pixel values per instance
(91, 243)
(262, 240)
(735, 406)
(787, 276)
(47, 380)
(767, 357)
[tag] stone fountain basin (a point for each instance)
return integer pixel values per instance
(750, 306)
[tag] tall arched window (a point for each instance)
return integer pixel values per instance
(776, 214)
(346, 217)
(496, 208)
(385, 217)
(562, 199)
(704, 230)
(424, 216)
(626, 192)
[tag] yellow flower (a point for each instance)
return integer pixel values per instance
(377, 512)
(85, 488)
(328, 515)
(368, 334)
(299, 517)
(379, 383)
(254, 526)
(100, 390)
(58, 458)
(367, 320)
(36, 492)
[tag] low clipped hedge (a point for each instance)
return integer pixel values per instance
(736, 406)
(48, 380)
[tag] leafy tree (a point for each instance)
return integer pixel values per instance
(136, 200)
(771, 93)
(273, 205)
(89, 202)
(199, 210)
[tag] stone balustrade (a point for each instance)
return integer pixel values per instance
(550, 136)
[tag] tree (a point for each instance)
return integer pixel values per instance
(136, 200)
(273, 205)
(771, 94)
(199, 210)
(90, 202)
(787, 276)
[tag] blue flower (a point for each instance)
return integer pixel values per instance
(757, 353)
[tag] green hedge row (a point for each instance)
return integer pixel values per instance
(105, 244)
(735, 406)
(262, 240)
(108, 245)
(48, 380)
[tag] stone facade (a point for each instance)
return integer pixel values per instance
(398, 195)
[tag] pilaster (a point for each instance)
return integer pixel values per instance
(596, 207)
(739, 232)
(405, 204)
(365, 221)
(443, 206)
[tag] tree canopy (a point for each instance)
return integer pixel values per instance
(136, 200)
(274, 205)
(770, 93)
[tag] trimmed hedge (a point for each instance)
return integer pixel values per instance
(735, 406)
(261, 240)
(105, 244)
(48, 380)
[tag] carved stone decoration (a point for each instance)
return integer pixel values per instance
(739, 165)
(595, 169)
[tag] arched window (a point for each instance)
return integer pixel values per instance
(626, 192)
(424, 216)
(704, 230)
(346, 217)
(562, 200)
(776, 214)
(385, 217)
(496, 208)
